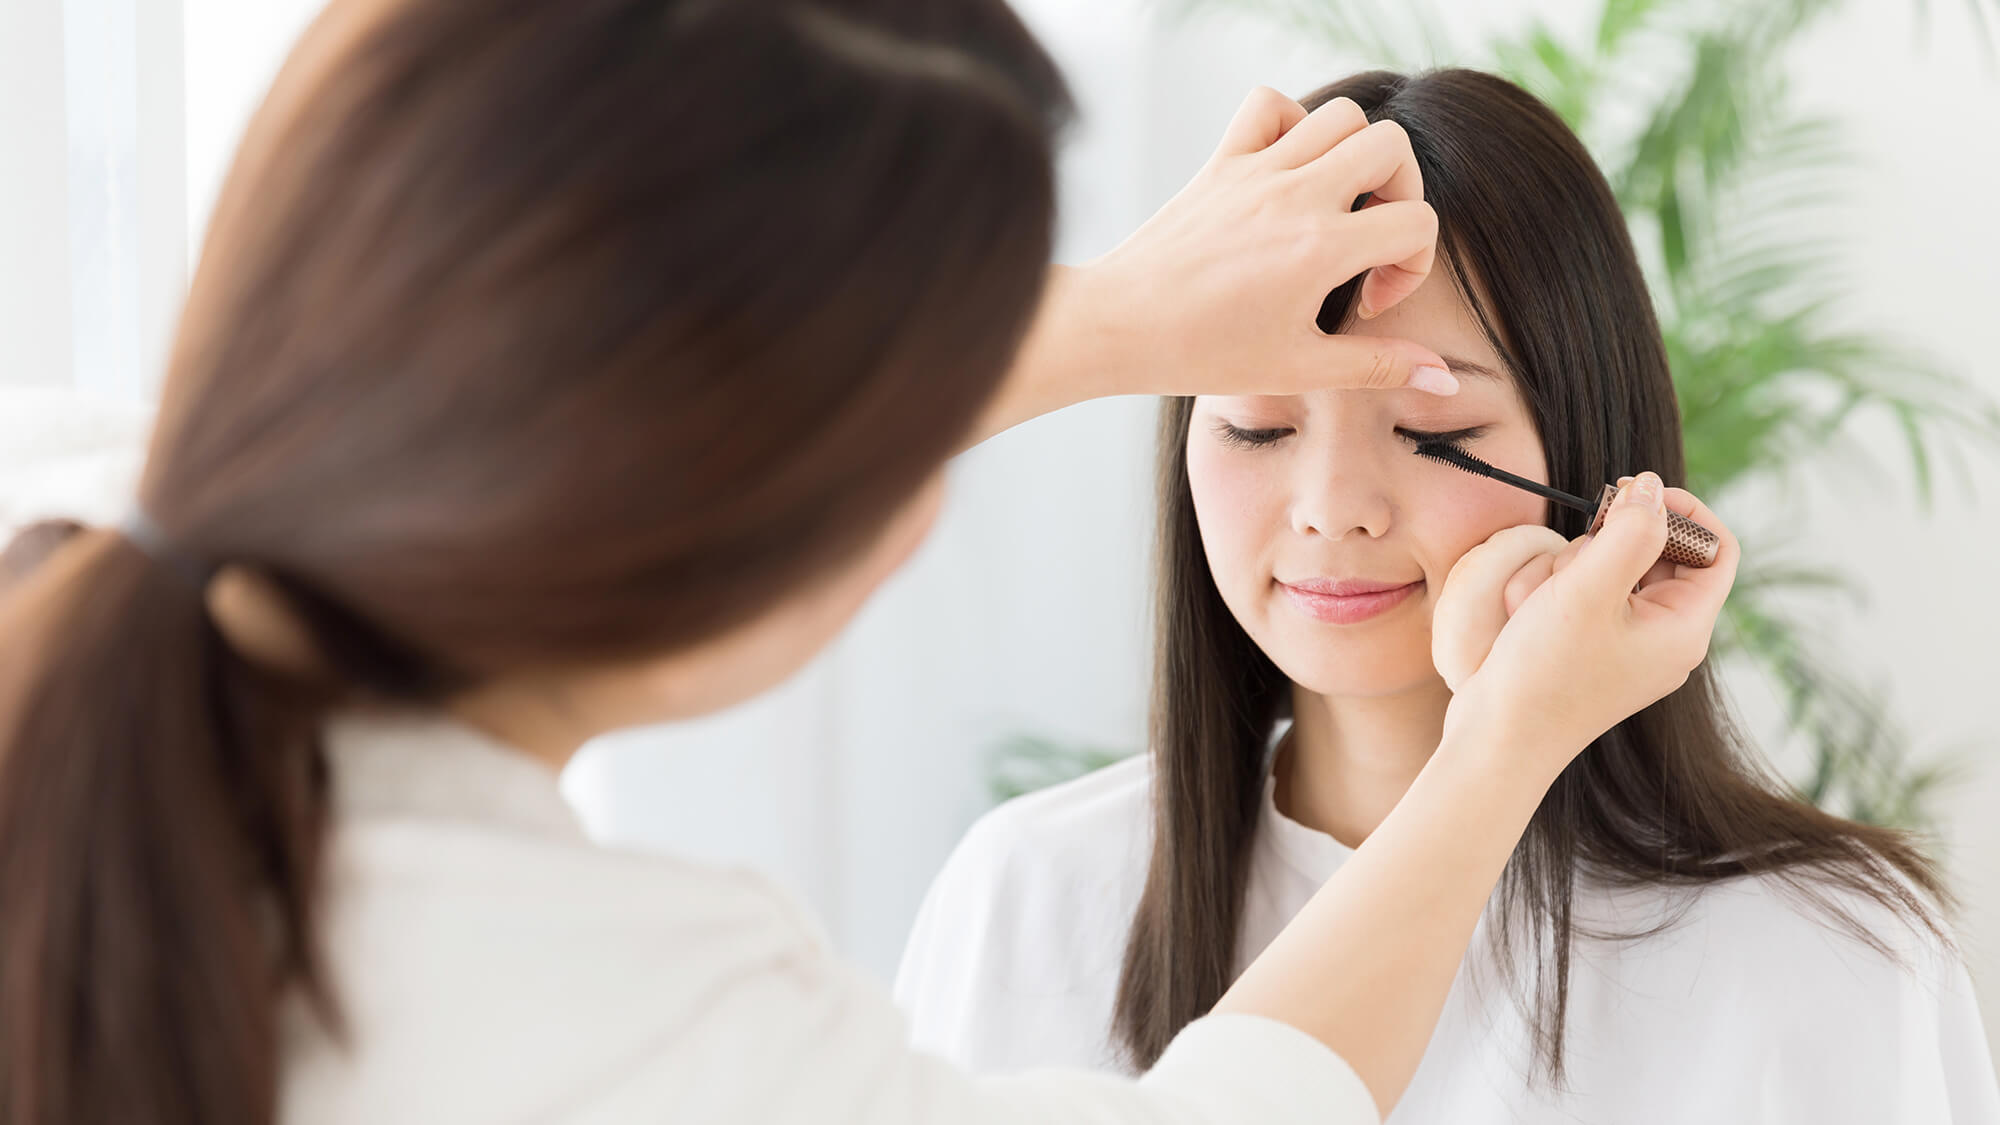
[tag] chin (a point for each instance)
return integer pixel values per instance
(1361, 675)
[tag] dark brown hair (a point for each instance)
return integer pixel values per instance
(1670, 796)
(31, 545)
(530, 333)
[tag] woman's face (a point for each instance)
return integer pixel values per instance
(1302, 496)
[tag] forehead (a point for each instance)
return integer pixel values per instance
(1440, 317)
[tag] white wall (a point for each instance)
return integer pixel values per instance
(1924, 114)
(234, 49)
(34, 203)
(92, 186)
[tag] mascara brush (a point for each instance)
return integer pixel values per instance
(1688, 543)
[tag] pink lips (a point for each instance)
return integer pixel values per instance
(1348, 600)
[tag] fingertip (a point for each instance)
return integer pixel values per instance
(1434, 380)
(1264, 116)
(1643, 491)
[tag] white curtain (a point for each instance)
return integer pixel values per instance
(93, 179)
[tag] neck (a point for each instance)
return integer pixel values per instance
(537, 720)
(1349, 759)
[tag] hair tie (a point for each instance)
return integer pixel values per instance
(139, 529)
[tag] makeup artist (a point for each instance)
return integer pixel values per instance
(558, 366)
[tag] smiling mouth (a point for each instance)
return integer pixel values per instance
(1318, 600)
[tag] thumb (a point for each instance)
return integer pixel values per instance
(1344, 361)
(1627, 545)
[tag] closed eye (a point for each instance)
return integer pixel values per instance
(1452, 437)
(1248, 439)
(1254, 439)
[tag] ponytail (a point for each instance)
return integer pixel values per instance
(161, 814)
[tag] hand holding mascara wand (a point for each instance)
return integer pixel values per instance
(1688, 543)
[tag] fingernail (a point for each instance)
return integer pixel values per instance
(1435, 380)
(1366, 311)
(1644, 489)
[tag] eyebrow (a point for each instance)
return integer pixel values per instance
(1470, 368)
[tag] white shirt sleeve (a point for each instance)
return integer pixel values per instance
(835, 1051)
(492, 964)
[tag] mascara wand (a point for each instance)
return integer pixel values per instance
(1688, 543)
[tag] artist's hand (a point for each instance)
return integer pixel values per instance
(1220, 291)
(1558, 641)
(1230, 274)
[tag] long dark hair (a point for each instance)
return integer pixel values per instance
(1669, 796)
(529, 333)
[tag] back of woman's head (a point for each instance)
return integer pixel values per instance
(528, 334)
(1532, 238)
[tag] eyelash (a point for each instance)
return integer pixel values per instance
(1257, 439)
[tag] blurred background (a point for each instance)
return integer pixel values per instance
(1811, 183)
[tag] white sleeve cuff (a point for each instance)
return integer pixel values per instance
(1240, 1067)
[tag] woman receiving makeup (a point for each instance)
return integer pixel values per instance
(1677, 938)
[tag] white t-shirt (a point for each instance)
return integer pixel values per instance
(496, 966)
(1751, 1009)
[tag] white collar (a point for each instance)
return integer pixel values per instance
(428, 766)
(1310, 852)
(1597, 904)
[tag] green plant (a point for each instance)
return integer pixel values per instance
(1023, 763)
(1719, 171)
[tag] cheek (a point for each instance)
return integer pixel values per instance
(1239, 505)
(1460, 512)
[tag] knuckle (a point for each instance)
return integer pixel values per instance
(1531, 535)
(1391, 132)
(1348, 110)
(1383, 371)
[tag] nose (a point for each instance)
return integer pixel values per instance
(1343, 486)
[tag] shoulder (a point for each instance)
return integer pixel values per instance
(1808, 945)
(1810, 918)
(1861, 1009)
(1035, 901)
(1070, 820)
(565, 964)
(472, 895)
(1084, 838)
(1796, 999)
